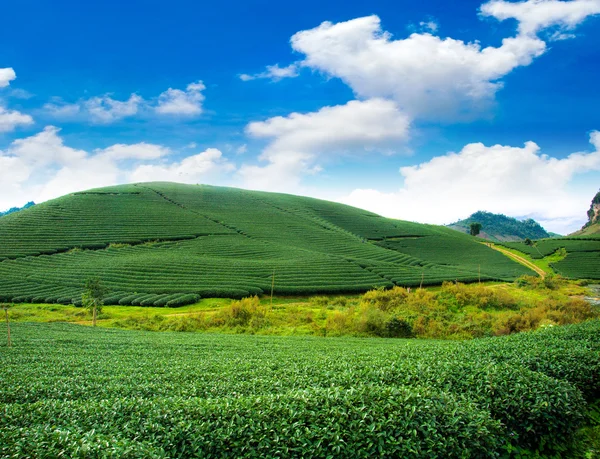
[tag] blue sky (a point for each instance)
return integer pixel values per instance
(416, 110)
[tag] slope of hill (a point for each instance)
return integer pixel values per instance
(12, 210)
(498, 227)
(592, 227)
(165, 243)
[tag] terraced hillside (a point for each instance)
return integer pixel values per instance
(580, 255)
(168, 244)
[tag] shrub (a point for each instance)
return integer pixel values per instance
(371, 321)
(183, 300)
(244, 312)
(398, 328)
(386, 300)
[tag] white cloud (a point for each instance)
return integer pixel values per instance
(273, 72)
(60, 109)
(426, 75)
(357, 124)
(178, 102)
(45, 148)
(10, 119)
(105, 109)
(6, 76)
(141, 151)
(429, 26)
(19, 93)
(208, 165)
(536, 15)
(100, 110)
(501, 179)
(41, 167)
(298, 141)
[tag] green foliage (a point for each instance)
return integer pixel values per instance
(465, 311)
(474, 228)
(166, 239)
(501, 227)
(210, 395)
(92, 297)
(398, 328)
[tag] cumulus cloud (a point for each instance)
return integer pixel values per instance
(10, 119)
(105, 109)
(143, 151)
(536, 15)
(193, 169)
(42, 167)
(178, 102)
(99, 110)
(45, 148)
(273, 72)
(6, 76)
(517, 181)
(298, 141)
(427, 76)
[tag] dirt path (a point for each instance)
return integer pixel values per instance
(518, 259)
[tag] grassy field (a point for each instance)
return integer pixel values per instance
(73, 391)
(450, 311)
(160, 244)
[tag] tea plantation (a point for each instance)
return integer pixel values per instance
(73, 391)
(582, 260)
(170, 244)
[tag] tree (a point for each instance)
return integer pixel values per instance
(475, 228)
(92, 297)
(6, 307)
(528, 241)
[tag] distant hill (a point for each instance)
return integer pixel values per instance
(168, 244)
(12, 210)
(500, 228)
(592, 227)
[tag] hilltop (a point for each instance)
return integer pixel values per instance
(12, 210)
(500, 228)
(592, 227)
(166, 243)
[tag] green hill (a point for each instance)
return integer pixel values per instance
(500, 228)
(165, 243)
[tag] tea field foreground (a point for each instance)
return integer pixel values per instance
(157, 244)
(73, 391)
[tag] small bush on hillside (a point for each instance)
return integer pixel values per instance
(550, 282)
(244, 312)
(457, 296)
(371, 321)
(320, 301)
(386, 300)
(398, 328)
(340, 301)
